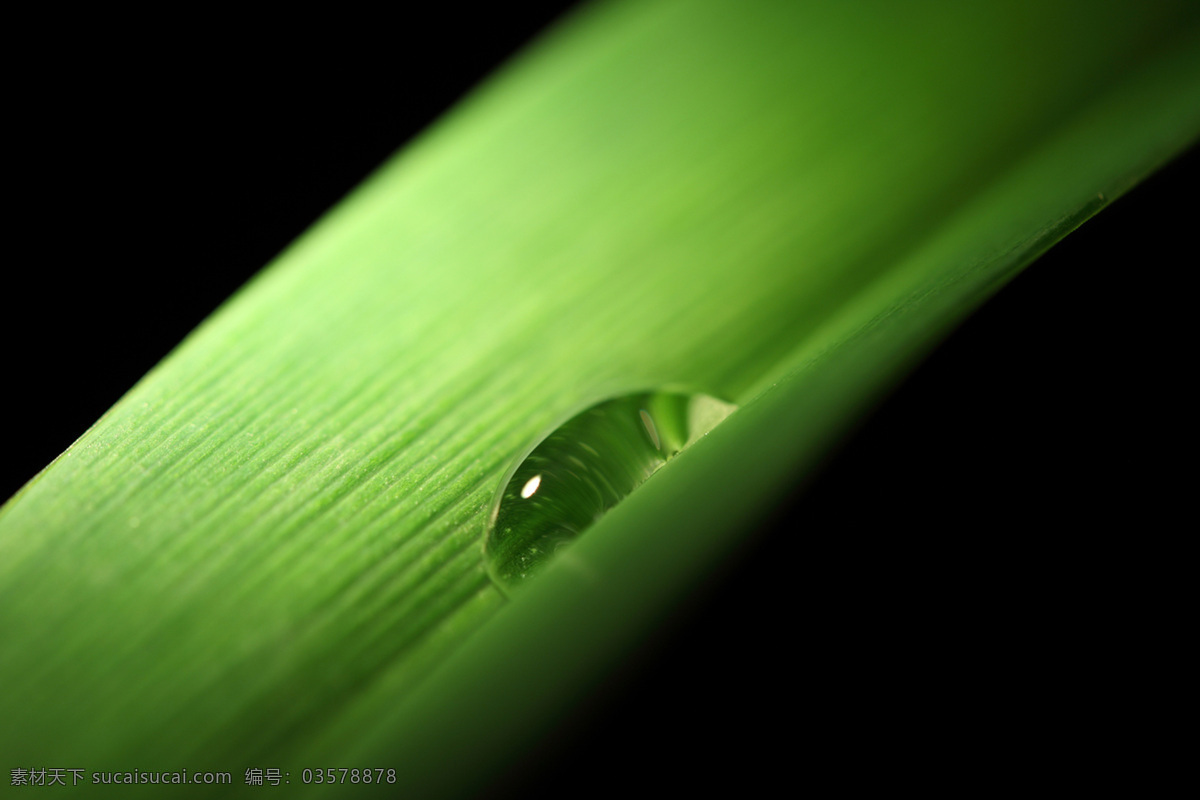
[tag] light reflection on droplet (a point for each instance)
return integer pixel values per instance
(531, 486)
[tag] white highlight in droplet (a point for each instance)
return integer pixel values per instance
(531, 486)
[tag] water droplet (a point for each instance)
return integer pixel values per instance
(531, 486)
(584, 468)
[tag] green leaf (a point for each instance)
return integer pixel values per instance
(270, 551)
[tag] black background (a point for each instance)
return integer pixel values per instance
(951, 562)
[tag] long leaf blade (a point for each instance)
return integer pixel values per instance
(295, 499)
